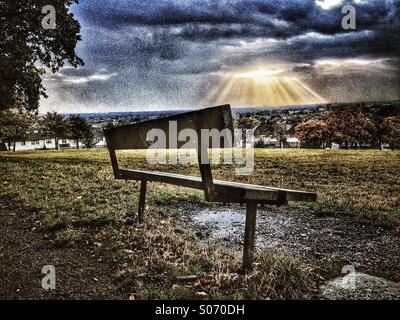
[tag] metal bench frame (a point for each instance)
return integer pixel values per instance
(134, 137)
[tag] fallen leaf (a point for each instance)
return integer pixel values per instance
(201, 294)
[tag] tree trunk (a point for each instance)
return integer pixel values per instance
(77, 143)
(14, 141)
(56, 141)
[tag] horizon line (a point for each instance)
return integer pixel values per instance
(233, 107)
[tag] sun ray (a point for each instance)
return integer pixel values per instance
(262, 86)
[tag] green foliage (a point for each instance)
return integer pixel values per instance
(54, 125)
(247, 122)
(260, 144)
(26, 49)
(80, 130)
(14, 124)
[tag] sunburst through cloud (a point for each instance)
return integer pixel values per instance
(262, 86)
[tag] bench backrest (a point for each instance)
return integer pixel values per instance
(134, 136)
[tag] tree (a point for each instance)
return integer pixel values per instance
(392, 129)
(88, 138)
(280, 133)
(79, 129)
(244, 123)
(349, 126)
(313, 132)
(27, 48)
(54, 125)
(14, 124)
(379, 115)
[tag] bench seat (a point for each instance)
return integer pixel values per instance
(135, 136)
(226, 191)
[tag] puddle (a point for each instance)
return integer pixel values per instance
(228, 224)
(222, 224)
(342, 240)
(327, 238)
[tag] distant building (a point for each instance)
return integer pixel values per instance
(36, 141)
(292, 142)
(264, 136)
(101, 144)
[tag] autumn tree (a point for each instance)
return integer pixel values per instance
(379, 115)
(54, 125)
(27, 49)
(349, 126)
(314, 132)
(392, 131)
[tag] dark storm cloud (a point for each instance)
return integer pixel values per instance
(281, 18)
(168, 51)
(169, 24)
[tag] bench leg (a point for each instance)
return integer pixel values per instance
(249, 235)
(142, 199)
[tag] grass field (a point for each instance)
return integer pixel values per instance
(64, 188)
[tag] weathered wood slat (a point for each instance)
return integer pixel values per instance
(133, 136)
(170, 178)
(234, 190)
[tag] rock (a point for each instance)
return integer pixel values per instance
(360, 286)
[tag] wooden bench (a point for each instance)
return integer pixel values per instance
(134, 137)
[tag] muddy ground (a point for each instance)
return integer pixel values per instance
(328, 241)
(25, 248)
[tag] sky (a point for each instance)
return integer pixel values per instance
(184, 54)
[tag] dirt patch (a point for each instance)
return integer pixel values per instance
(25, 249)
(328, 240)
